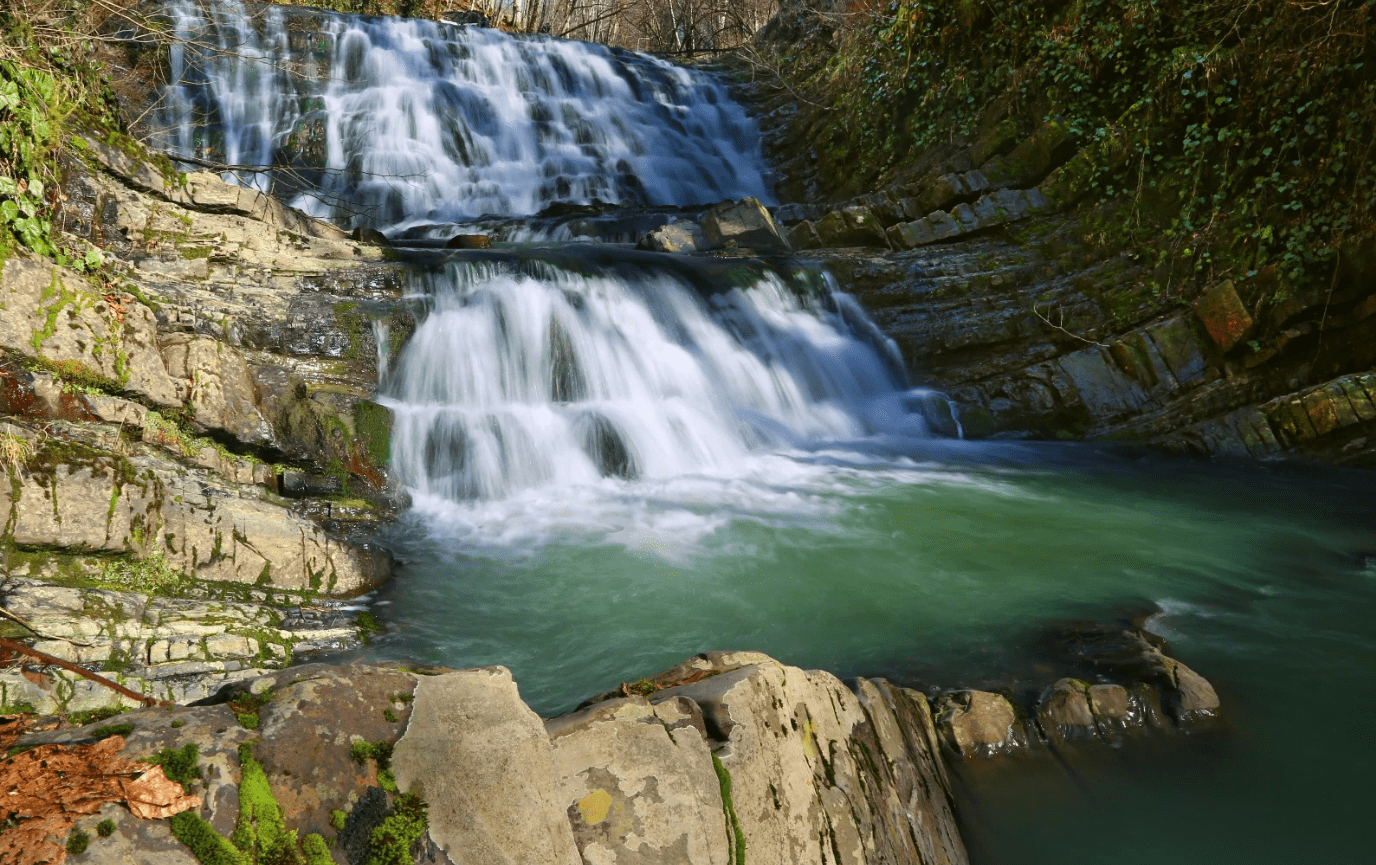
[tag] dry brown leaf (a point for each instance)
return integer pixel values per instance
(37, 842)
(50, 786)
(154, 796)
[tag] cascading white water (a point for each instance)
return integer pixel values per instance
(390, 122)
(528, 386)
(514, 382)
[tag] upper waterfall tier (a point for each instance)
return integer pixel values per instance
(390, 121)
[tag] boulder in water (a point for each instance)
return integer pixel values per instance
(469, 241)
(674, 237)
(978, 723)
(606, 448)
(743, 224)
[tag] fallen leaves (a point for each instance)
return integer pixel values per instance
(49, 787)
(116, 306)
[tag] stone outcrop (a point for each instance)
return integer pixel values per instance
(816, 771)
(73, 496)
(175, 649)
(1039, 334)
(674, 237)
(727, 757)
(51, 314)
(152, 408)
(743, 224)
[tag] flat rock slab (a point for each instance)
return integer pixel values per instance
(481, 759)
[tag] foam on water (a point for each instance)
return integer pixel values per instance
(391, 122)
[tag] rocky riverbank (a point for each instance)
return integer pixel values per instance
(727, 756)
(195, 466)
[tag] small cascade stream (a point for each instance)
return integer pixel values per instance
(617, 459)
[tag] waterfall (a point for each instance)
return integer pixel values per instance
(392, 122)
(519, 379)
(536, 379)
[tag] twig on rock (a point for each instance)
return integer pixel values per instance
(80, 671)
(1053, 324)
(13, 618)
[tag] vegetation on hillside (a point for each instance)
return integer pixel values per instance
(49, 75)
(1240, 132)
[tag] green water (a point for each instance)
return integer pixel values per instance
(938, 565)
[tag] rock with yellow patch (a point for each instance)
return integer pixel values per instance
(639, 784)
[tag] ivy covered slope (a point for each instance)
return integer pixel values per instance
(186, 372)
(1171, 147)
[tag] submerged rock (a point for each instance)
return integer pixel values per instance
(606, 447)
(469, 241)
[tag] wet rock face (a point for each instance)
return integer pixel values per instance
(1127, 688)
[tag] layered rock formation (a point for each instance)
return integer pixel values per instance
(726, 757)
(1004, 287)
(190, 430)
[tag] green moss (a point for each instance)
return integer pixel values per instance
(643, 687)
(112, 730)
(180, 764)
(337, 819)
(381, 752)
(733, 824)
(105, 828)
(81, 719)
(260, 835)
(373, 426)
(386, 780)
(389, 716)
(261, 830)
(392, 843)
(316, 850)
(248, 720)
(367, 625)
(151, 575)
(77, 842)
(207, 845)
